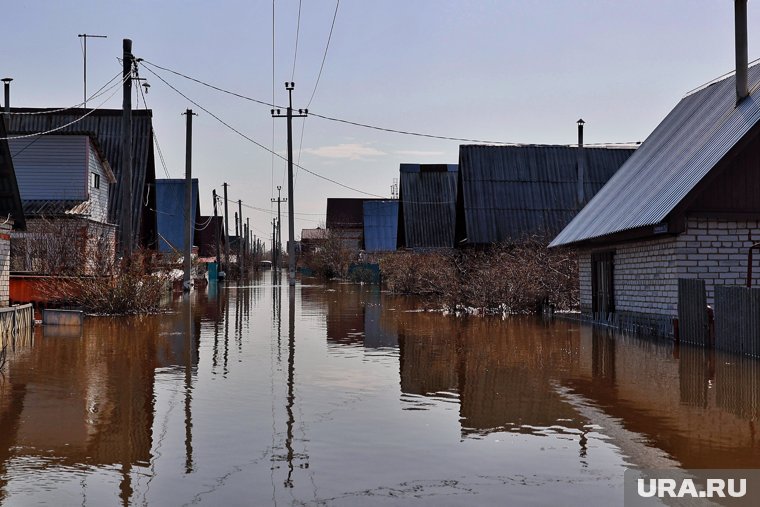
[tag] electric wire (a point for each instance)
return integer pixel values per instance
(95, 95)
(238, 132)
(324, 57)
(295, 52)
(155, 139)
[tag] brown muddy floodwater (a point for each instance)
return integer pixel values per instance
(341, 396)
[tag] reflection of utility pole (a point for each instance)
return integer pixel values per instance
(188, 387)
(86, 36)
(278, 241)
(302, 113)
(291, 379)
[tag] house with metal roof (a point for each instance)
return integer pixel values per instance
(380, 225)
(170, 214)
(427, 205)
(507, 193)
(64, 182)
(106, 125)
(684, 205)
(345, 220)
(10, 209)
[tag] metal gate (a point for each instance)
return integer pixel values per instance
(692, 311)
(737, 320)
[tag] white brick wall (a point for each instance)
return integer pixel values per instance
(5, 262)
(647, 272)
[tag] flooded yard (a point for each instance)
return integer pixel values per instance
(344, 395)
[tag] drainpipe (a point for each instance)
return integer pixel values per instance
(740, 31)
(749, 264)
(581, 162)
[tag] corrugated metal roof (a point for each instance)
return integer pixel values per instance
(170, 213)
(509, 192)
(678, 154)
(10, 199)
(428, 195)
(380, 225)
(105, 125)
(56, 207)
(345, 213)
(309, 234)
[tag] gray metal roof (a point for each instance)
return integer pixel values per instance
(678, 154)
(427, 208)
(509, 192)
(105, 124)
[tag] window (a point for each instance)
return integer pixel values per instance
(602, 288)
(95, 180)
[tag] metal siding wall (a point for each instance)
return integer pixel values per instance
(98, 196)
(50, 167)
(380, 225)
(737, 319)
(170, 216)
(429, 201)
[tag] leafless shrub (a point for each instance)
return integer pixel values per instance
(331, 256)
(514, 278)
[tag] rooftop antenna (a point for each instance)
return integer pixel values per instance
(85, 36)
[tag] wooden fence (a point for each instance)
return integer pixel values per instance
(737, 320)
(16, 325)
(692, 311)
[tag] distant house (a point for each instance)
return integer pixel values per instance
(11, 212)
(510, 192)
(206, 231)
(64, 182)
(311, 239)
(380, 225)
(685, 205)
(345, 220)
(427, 206)
(170, 214)
(106, 125)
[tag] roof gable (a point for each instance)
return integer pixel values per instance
(691, 140)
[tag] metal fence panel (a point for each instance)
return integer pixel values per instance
(737, 320)
(692, 311)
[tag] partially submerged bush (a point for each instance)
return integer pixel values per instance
(514, 278)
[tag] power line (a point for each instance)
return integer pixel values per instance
(155, 138)
(324, 57)
(217, 118)
(295, 53)
(95, 95)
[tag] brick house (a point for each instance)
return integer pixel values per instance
(685, 205)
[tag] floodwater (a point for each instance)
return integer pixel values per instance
(341, 395)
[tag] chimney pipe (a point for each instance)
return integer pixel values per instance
(581, 163)
(7, 103)
(740, 29)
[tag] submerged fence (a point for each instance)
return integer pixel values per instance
(16, 325)
(737, 320)
(692, 311)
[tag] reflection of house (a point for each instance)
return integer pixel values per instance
(10, 208)
(427, 210)
(106, 125)
(685, 205)
(510, 192)
(170, 214)
(64, 182)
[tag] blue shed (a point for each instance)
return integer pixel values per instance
(170, 215)
(380, 225)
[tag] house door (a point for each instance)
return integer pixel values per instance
(602, 289)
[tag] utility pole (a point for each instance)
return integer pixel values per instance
(189, 218)
(274, 242)
(85, 36)
(250, 248)
(237, 235)
(126, 153)
(278, 241)
(216, 234)
(241, 261)
(302, 113)
(226, 232)
(7, 103)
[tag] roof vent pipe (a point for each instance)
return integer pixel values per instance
(581, 164)
(7, 103)
(740, 29)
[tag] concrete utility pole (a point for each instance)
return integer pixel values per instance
(248, 228)
(84, 53)
(278, 241)
(274, 243)
(241, 261)
(189, 218)
(237, 235)
(125, 245)
(216, 234)
(302, 113)
(226, 232)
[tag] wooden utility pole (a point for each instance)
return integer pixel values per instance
(216, 234)
(302, 113)
(226, 232)
(125, 243)
(189, 218)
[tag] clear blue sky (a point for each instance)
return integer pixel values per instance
(511, 71)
